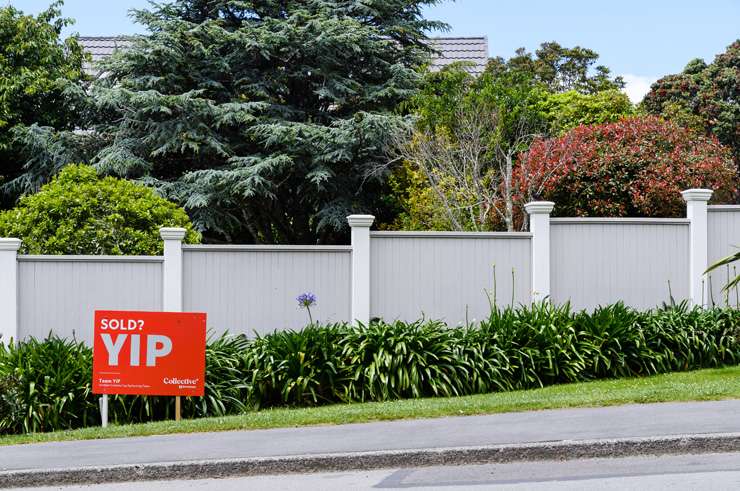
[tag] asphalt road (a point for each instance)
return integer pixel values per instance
(649, 420)
(707, 472)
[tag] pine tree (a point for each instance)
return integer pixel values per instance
(268, 120)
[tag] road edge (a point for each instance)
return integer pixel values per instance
(506, 453)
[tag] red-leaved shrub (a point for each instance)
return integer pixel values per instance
(634, 167)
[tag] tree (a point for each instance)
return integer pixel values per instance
(460, 161)
(468, 133)
(634, 167)
(35, 65)
(461, 158)
(266, 119)
(81, 213)
(560, 69)
(705, 93)
(566, 110)
(469, 172)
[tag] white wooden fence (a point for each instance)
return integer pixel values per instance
(447, 275)
(253, 288)
(639, 261)
(391, 275)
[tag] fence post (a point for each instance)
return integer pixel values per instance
(9, 289)
(172, 268)
(360, 266)
(539, 225)
(696, 212)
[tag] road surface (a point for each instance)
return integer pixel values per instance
(706, 472)
(634, 420)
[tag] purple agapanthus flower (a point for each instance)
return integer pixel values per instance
(306, 301)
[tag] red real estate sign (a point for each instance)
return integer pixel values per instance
(149, 353)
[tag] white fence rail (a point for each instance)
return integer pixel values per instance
(392, 275)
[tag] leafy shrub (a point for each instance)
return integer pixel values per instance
(634, 167)
(225, 388)
(399, 360)
(297, 368)
(707, 94)
(566, 110)
(226, 385)
(617, 346)
(46, 385)
(541, 344)
(81, 213)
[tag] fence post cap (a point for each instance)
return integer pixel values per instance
(172, 233)
(10, 244)
(697, 194)
(360, 220)
(534, 207)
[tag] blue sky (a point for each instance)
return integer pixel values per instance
(641, 40)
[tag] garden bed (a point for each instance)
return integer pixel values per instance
(46, 385)
(699, 385)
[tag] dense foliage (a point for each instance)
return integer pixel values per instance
(266, 119)
(559, 69)
(81, 213)
(35, 63)
(704, 94)
(549, 93)
(634, 167)
(46, 384)
(565, 110)
(459, 161)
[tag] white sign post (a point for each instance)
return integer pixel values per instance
(103, 401)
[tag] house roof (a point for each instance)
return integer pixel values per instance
(473, 50)
(101, 47)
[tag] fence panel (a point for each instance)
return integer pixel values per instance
(599, 261)
(723, 232)
(445, 275)
(61, 293)
(253, 288)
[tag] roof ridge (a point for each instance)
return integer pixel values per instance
(458, 37)
(106, 38)
(450, 49)
(128, 36)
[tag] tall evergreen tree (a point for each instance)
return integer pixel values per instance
(266, 119)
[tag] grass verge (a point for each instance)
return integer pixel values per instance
(698, 385)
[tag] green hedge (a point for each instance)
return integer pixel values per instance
(46, 385)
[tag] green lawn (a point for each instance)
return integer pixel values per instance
(687, 386)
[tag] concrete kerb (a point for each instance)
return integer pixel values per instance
(561, 450)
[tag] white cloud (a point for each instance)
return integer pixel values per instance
(636, 86)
